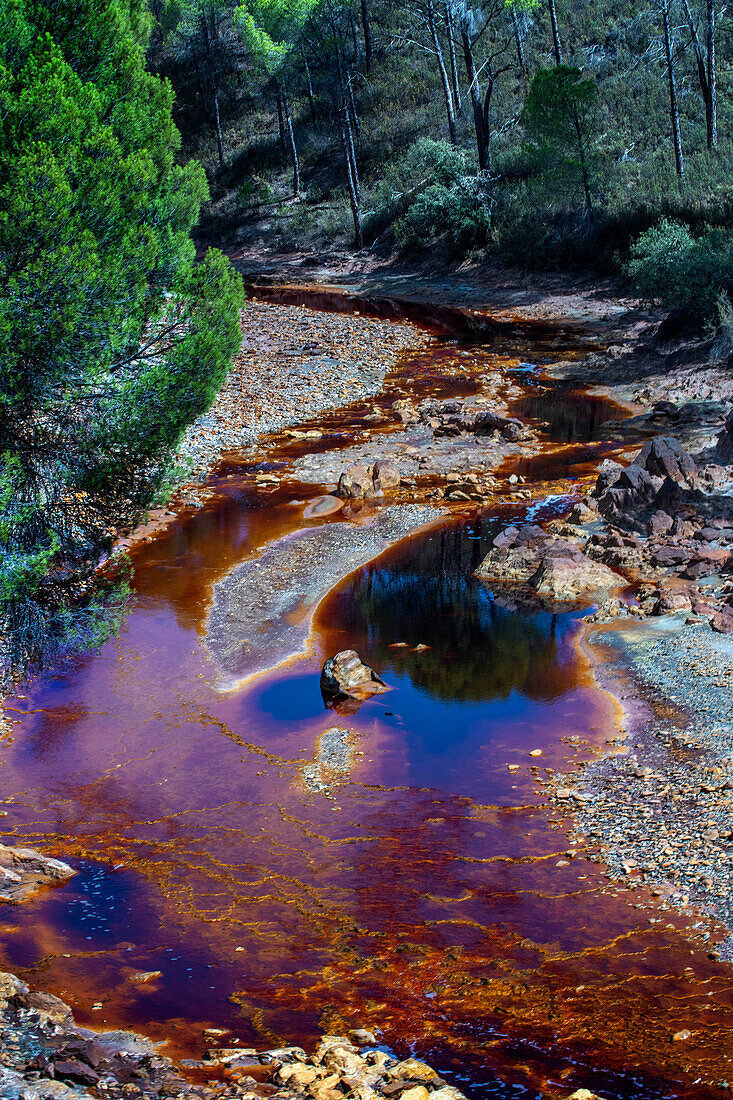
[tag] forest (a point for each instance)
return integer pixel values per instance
(547, 133)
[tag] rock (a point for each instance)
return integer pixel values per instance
(573, 578)
(24, 870)
(297, 1075)
(405, 411)
(673, 599)
(418, 1092)
(386, 477)
(549, 566)
(724, 445)
(639, 481)
(360, 1035)
(356, 483)
(75, 1071)
(669, 556)
(485, 422)
(664, 456)
(722, 622)
(413, 1069)
(346, 674)
(660, 523)
(680, 1036)
(581, 513)
(608, 474)
(362, 482)
(708, 560)
(53, 1008)
(322, 506)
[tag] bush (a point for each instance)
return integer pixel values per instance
(668, 264)
(432, 193)
(254, 191)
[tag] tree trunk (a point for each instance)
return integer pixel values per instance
(556, 43)
(443, 75)
(350, 149)
(368, 51)
(353, 36)
(482, 143)
(353, 193)
(520, 45)
(486, 110)
(202, 94)
(673, 107)
(219, 140)
(290, 134)
(712, 75)
(280, 120)
(352, 108)
(452, 55)
(702, 75)
(309, 87)
(584, 168)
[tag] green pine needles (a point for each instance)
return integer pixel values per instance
(112, 337)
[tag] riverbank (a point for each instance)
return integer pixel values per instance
(294, 364)
(658, 812)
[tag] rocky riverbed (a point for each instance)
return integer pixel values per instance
(662, 522)
(294, 364)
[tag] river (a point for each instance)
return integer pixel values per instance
(416, 882)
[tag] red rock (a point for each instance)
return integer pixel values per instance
(75, 1071)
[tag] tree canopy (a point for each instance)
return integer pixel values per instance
(112, 337)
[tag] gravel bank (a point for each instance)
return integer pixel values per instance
(261, 611)
(294, 364)
(660, 815)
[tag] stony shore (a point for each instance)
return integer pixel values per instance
(294, 364)
(658, 812)
(44, 1055)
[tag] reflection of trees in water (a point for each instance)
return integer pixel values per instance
(572, 417)
(425, 593)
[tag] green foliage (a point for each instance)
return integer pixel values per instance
(668, 264)
(253, 191)
(270, 29)
(559, 117)
(434, 193)
(112, 337)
